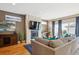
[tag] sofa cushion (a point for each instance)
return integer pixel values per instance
(41, 40)
(55, 43)
(67, 39)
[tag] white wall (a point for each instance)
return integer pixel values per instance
(50, 27)
(28, 31)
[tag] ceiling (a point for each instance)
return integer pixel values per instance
(44, 10)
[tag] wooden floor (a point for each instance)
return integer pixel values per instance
(17, 49)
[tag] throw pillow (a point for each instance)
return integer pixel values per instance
(43, 41)
(66, 39)
(55, 43)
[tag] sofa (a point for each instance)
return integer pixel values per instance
(67, 48)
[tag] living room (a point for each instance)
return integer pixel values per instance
(25, 29)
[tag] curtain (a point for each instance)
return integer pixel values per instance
(53, 27)
(77, 27)
(59, 28)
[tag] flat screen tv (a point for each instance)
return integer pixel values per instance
(33, 25)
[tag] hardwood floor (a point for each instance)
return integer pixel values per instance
(17, 49)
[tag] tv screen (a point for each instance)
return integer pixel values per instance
(33, 25)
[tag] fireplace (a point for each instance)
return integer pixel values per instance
(6, 40)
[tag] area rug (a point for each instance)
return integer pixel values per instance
(28, 47)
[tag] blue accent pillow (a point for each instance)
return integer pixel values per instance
(28, 47)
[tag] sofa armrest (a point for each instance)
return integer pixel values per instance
(41, 49)
(65, 49)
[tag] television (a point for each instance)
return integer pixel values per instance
(34, 25)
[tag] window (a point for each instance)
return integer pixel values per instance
(69, 26)
(72, 27)
(56, 29)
